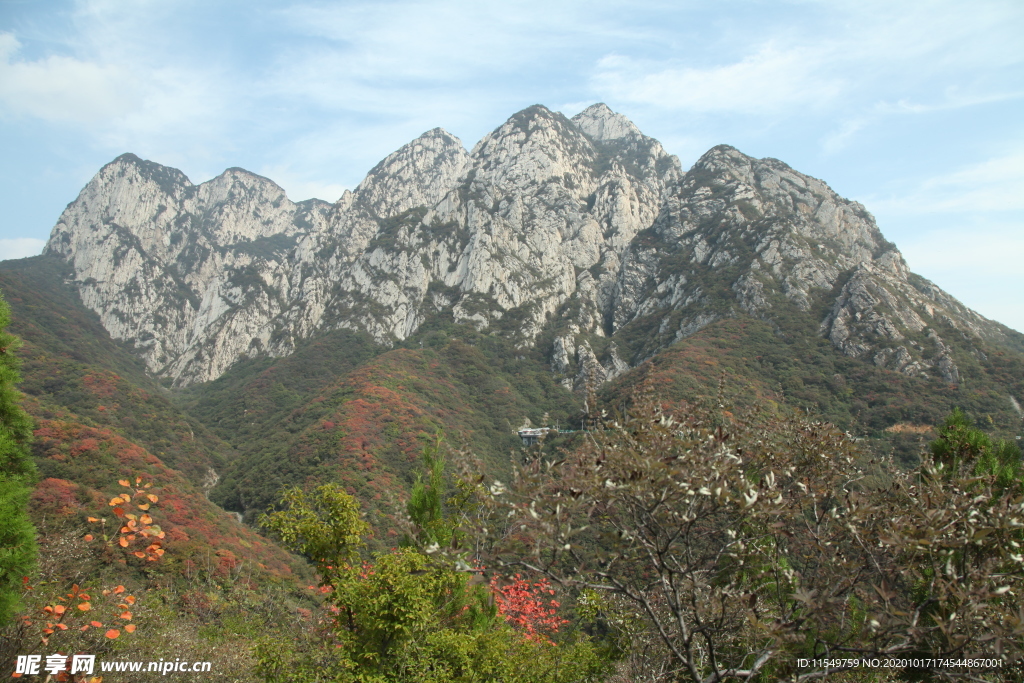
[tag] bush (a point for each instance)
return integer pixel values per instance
(753, 547)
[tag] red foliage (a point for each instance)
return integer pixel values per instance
(56, 496)
(91, 457)
(528, 607)
(84, 446)
(102, 384)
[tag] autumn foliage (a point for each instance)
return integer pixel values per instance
(528, 606)
(135, 529)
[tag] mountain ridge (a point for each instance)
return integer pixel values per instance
(544, 215)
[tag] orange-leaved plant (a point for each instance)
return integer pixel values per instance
(77, 610)
(134, 527)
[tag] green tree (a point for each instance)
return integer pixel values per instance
(426, 501)
(402, 615)
(963, 447)
(17, 474)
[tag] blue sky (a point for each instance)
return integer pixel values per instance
(916, 109)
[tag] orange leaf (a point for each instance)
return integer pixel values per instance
(119, 590)
(116, 500)
(138, 480)
(130, 599)
(84, 628)
(48, 609)
(88, 537)
(96, 624)
(143, 506)
(85, 607)
(59, 609)
(112, 633)
(152, 498)
(62, 627)
(106, 591)
(130, 628)
(92, 519)
(119, 512)
(15, 675)
(139, 554)
(146, 519)
(47, 631)
(123, 543)
(127, 616)
(124, 482)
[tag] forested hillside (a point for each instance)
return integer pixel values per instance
(198, 357)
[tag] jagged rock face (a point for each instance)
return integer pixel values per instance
(752, 235)
(585, 224)
(188, 273)
(418, 174)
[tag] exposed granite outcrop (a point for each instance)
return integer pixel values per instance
(584, 223)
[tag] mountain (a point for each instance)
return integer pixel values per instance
(475, 291)
(586, 222)
(227, 343)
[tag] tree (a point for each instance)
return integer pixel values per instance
(754, 547)
(17, 474)
(426, 501)
(962, 448)
(403, 615)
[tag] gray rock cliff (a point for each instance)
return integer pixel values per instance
(585, 224)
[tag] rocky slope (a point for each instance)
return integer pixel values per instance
(583, 227)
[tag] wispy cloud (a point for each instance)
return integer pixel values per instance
(771, 79)
(299, 186)
(849, 66)
(977, 261)
(64, 89)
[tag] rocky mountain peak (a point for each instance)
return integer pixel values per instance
(129, 165)
(535, 146)
(417, 174)
(602, 124)
(583, 227)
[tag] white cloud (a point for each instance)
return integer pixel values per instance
(20, 247)
(995, 251)
(64, 89)
(770, 79)
(831, 60)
